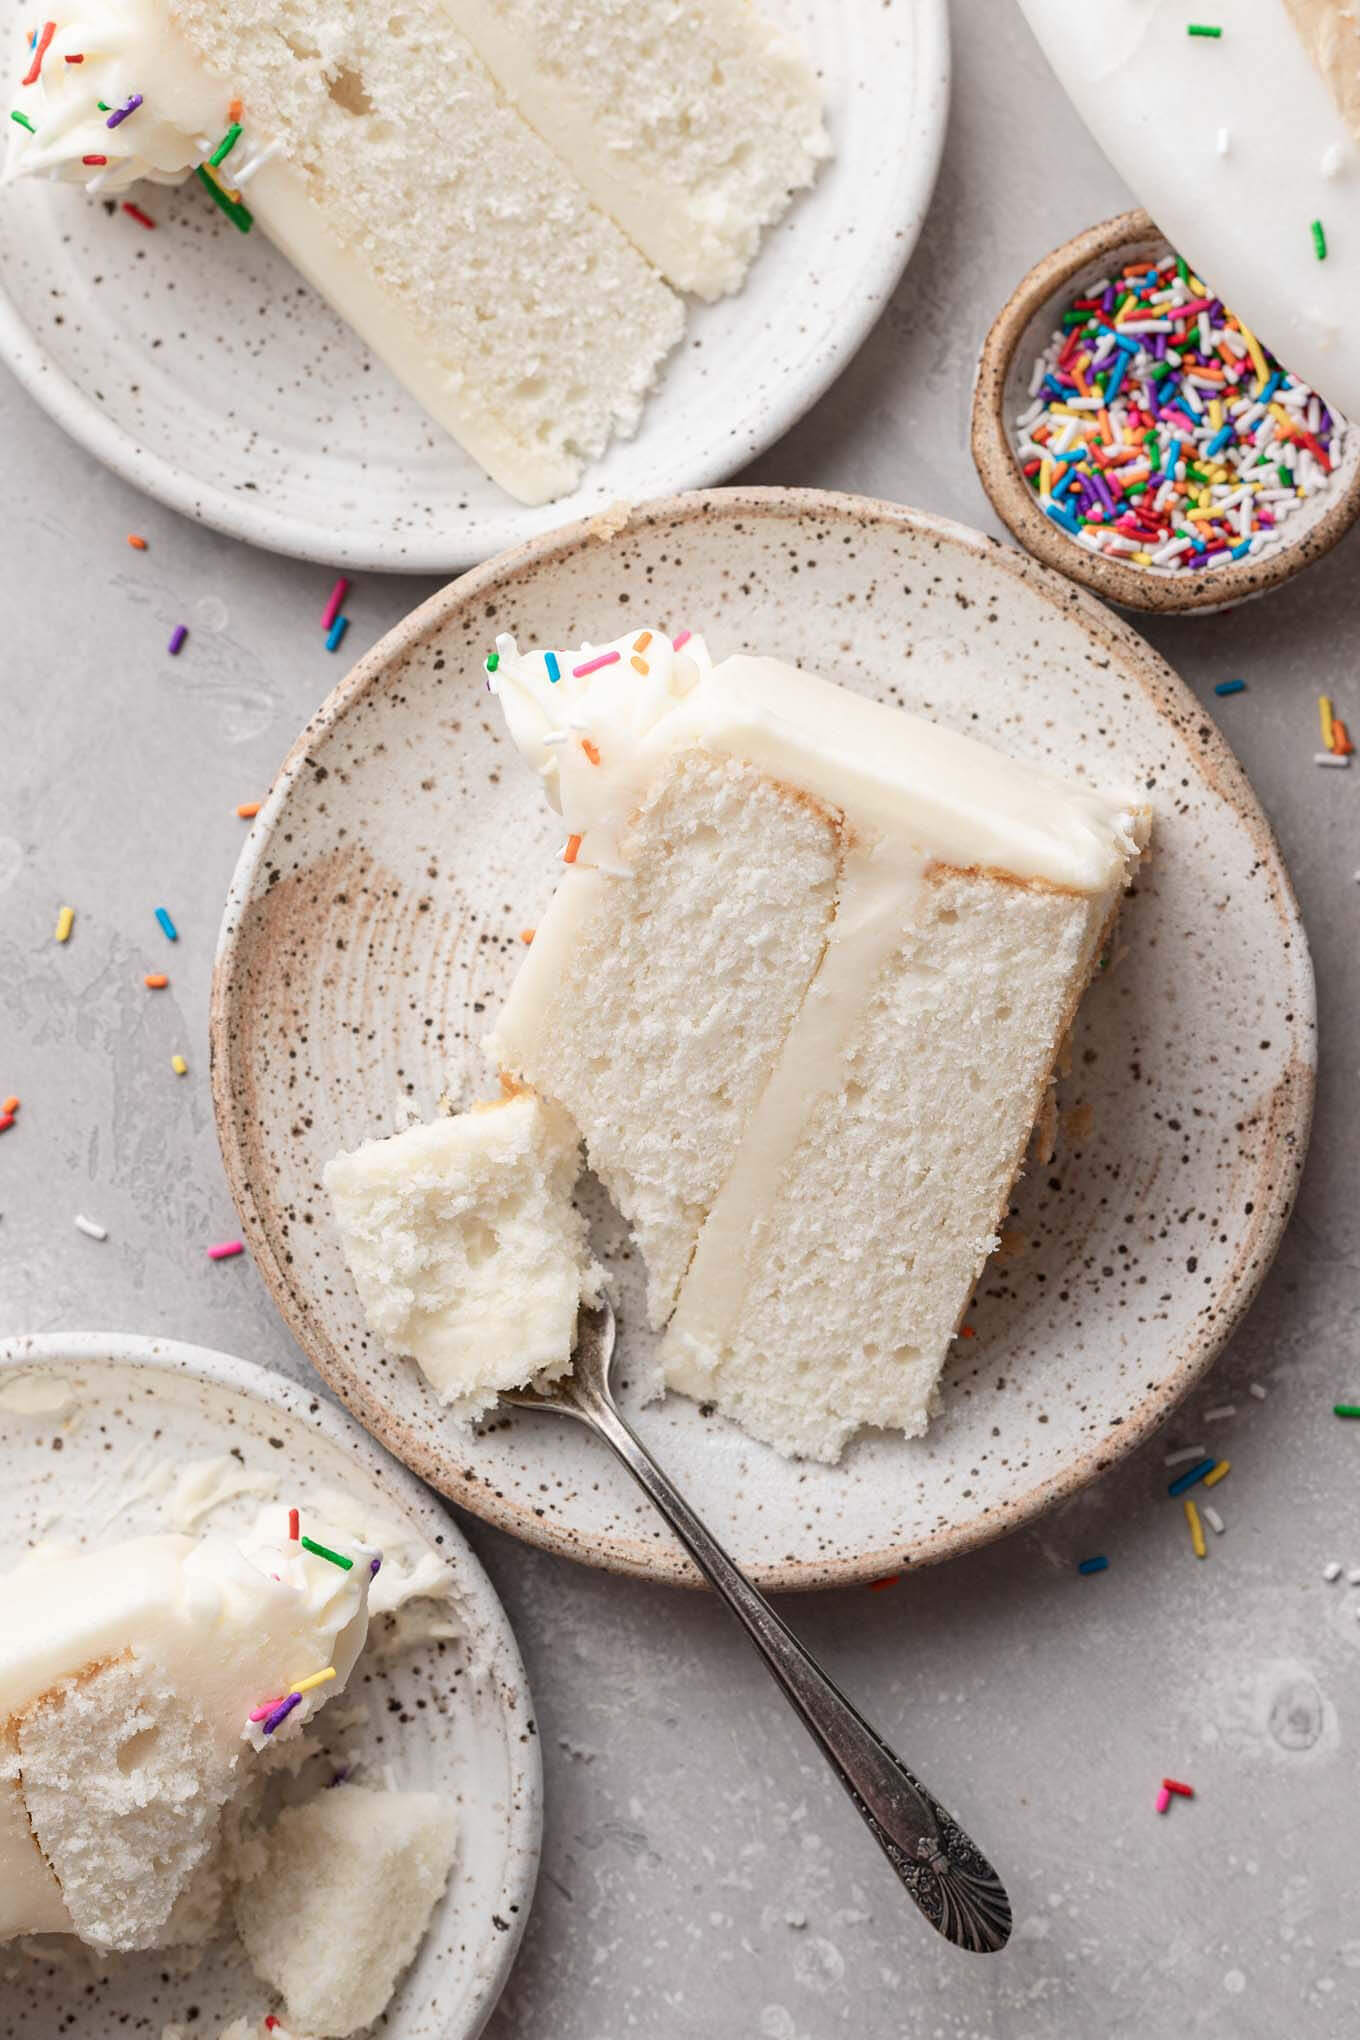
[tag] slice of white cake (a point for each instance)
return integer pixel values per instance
(847, 945)
(135, 1684)
(691, 126)
(466, 1250)
(338, 1898)
(374, 147)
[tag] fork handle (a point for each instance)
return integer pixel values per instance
(945, 1873)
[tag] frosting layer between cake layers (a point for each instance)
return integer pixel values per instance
(229, 1621)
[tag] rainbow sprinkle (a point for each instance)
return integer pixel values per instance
(1319, 240)
(241, 217)
(177, 637)
(1159, 432)
(122, 113)
(336, 632)
(593, 665)
(167, 926)
(323, 1551)
(227, 1250)
(39, 48)
(335, 603)
(66, 921)
(280, 1713)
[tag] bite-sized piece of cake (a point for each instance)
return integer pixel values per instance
(134, 1684)
(691, 126)
(375, 149)
(362, 1872)
(466, 1250)
(843, 1060)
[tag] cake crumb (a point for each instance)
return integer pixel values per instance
(609, 522)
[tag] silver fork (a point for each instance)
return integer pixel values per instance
(943, 1870)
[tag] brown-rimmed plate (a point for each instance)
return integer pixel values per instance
(373, 927)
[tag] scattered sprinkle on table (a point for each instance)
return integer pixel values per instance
(10, 1107)
(324, 1551)
(1208, 29)
(1158, 432)
(248, 810)
(1319, 240)
(177, 637)
(1094, 1565)
(167, 926)
(888, 1580)
(1333, 758)
(336, 633)
(1255, 1388)
(1220, 1472)
(1353, 1576)
(1230, 687)
(1331, 1572)
(136, 541)
(135, 212)
(226, 1250)
(6, 1121)
(1175, 1785)
(1201, 1549)
(1346, 1409)
(526, 935)
(1192, 1478)
(1163, 1799)
(66, 921)
(1183, 1454)
(89, 1228)
(335, 603)
(155, 981)
(179, 1066)
(1212, 1518)
(1220, 1412)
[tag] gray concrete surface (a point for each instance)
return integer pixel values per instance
(701, 1876)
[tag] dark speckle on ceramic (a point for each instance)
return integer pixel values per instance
(196, 362)
(372, 931)
(451, 1713)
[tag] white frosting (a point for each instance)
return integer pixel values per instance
(128, 47)
(942, 795)
(1235, 145)
(233, 1622)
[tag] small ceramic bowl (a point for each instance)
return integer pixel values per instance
(1020, 333)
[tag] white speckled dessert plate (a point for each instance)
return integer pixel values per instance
(195, 361)
(372, 930)
(85, 1420)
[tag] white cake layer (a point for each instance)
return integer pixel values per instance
(337, 1899)
(691, 125)
(126, 1680)
(842, 1252)
(1235, 145)
(466, 1250)
(380, 156)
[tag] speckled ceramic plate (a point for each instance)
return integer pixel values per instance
(372, 931)
(85, 1419)
(195, 360)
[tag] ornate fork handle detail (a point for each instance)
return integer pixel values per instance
(942, 1869)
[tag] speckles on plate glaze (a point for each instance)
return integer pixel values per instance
(453, 1713)
(1134, 1251)
(196, 362)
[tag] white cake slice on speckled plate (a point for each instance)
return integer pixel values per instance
(491, 192)
(802, 988)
